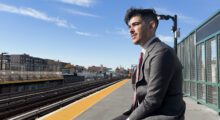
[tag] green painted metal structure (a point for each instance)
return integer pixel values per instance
(199, 53)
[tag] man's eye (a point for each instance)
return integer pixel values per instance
(137, 23)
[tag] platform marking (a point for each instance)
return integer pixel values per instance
(73, 110)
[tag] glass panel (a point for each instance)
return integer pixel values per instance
(211, 64)
(187, 85)
(201, 62)
(187, 59)
(201, 91)
(184, 87)
(182, 53)
(193, 89)
(182, 58)
(219, 55)
(212, 96)
(192, 58)
(208, 61)
(214, 61)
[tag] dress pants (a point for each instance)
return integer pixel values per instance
(121, 117)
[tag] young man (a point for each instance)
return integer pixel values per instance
(158, 82)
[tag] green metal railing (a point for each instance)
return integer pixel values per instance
(201, 69)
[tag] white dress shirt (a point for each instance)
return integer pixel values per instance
(144, 48)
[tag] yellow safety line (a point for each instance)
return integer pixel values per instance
(73, 110)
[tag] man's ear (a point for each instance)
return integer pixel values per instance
(152, 25)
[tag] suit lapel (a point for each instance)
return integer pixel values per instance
(146, 55)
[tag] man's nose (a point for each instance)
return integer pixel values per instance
(131, 30)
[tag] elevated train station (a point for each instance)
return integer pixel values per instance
(199, 53)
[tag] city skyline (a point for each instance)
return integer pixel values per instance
(89, 32)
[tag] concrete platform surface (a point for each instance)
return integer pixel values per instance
(106, 105)
(196, 111)
(111, 106)
(120, 100)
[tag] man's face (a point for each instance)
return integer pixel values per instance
(138, 29)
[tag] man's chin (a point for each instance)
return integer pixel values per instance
(135, 42)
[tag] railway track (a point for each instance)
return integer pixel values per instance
(37, 103)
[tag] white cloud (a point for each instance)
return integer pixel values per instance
(122, 31)
(35, 14)
(119, 31)
(84, 3)
(73, 26)
(75, 12)
(86, 34)
(166, 39)
(180, 16)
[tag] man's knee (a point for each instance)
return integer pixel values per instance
(121, 117)
(162, 117)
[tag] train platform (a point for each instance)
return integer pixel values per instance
(113, 101)
(6, 82)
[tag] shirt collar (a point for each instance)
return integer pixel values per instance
(143, 49)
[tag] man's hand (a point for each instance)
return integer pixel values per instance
(128, 112)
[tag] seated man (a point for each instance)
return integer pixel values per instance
(158, 77)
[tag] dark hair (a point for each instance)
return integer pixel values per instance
(143, 13)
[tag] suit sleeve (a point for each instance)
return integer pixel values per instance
(162, 68)
(133, 78)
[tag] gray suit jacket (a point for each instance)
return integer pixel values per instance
(159, 88)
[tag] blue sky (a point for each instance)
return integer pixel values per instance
(89, 32)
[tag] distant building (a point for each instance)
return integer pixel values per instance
(94, 69)
(25, 62)
(79, 68)
(98, 69)
(121, 70)
(4, 62)
(68, 69)
(52, 65)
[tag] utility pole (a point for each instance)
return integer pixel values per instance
(174, 27)
(175, 32)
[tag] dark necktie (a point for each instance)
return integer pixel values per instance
(135, 102)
